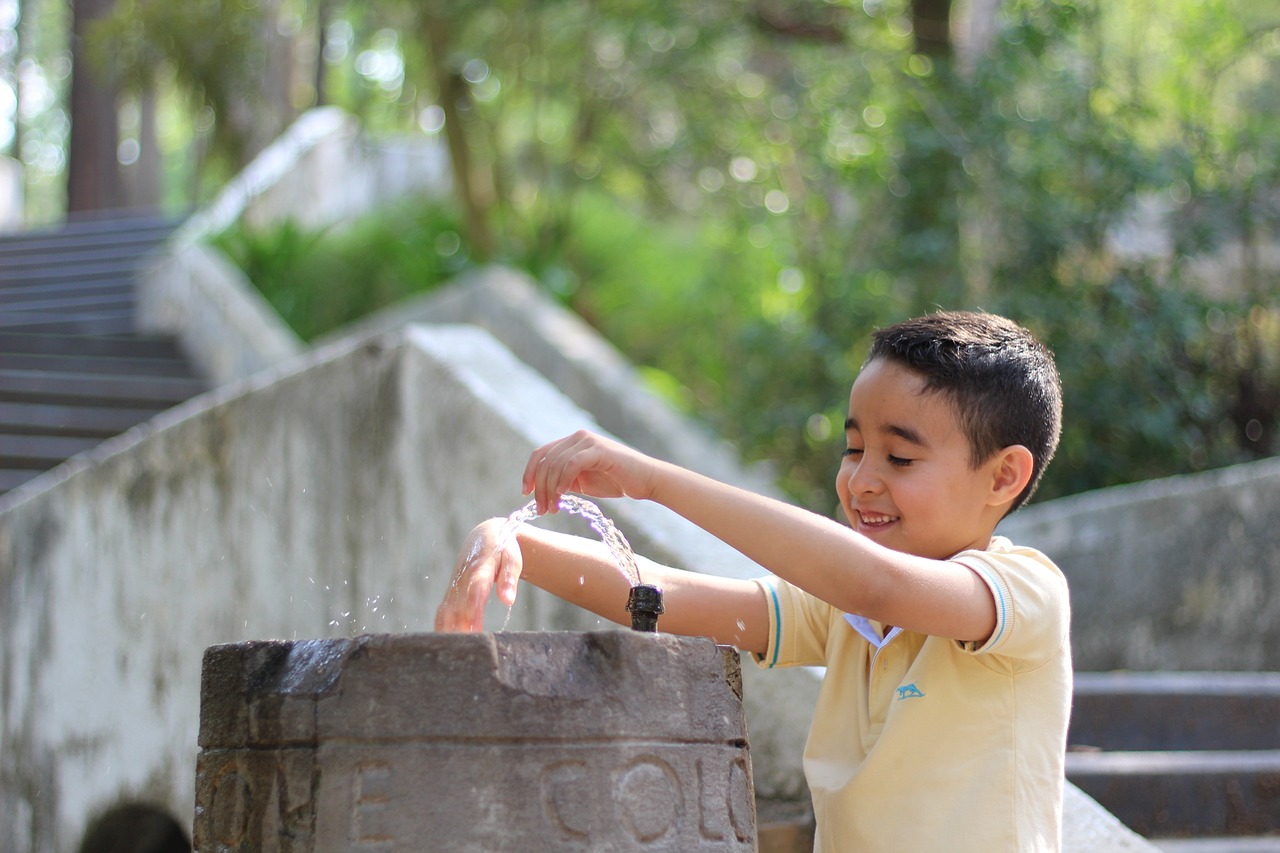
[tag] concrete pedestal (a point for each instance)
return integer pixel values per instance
(606, 741)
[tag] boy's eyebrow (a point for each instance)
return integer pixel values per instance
(903, 432)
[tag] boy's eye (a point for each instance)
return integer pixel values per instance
(899, 461)
(851, 451)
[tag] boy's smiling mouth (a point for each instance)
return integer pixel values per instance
(874, 520)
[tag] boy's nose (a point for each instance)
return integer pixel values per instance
(864, 481)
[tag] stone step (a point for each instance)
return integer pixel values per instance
(784, 826)
(34, 386)
(69, 269)
(11, 478)
(1184, 793)
(73, 362)
(86, 300)
(40, 452)
(1176, 710)
(82, 421)
(96, 346)
(15, 264)
(1259, 844)
(103, 231)
(104, 321)
(73, 369)
(14, 293)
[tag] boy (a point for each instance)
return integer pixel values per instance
(941, 723)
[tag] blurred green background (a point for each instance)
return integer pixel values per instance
(736, 192)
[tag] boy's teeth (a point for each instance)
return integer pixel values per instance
(875, 519)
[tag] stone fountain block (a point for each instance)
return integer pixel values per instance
(603, 741)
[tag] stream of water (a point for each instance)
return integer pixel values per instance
(604, 528)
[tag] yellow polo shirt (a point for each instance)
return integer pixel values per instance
(925, 744)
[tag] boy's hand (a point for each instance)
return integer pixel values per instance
(481, 564)
(590, 465)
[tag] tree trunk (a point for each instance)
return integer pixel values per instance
(321, 71)
(258, 117)
(453, 95)
(929, 215)
(93, 173)
(931, 24)
(144, 176)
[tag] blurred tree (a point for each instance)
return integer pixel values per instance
(787, 175)
(93, 173)
(11, 44)
(232, 60)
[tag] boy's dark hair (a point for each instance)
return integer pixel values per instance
(1001, 381)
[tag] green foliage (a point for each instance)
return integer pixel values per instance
(321, 279)
(737, 200)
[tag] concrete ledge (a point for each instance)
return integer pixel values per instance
(1172, 574)
(1185, 793)
(1176, 710)
(585, 367)
(225, 325)
(1262, 844)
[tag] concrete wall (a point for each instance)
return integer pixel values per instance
(1180, 573)
(324, 498)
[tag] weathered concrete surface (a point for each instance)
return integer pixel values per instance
(604, 741)
(225, 325)
(1174, 574)
(585, 367)
(325, 498)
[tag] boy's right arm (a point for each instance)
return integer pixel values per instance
(583, 572)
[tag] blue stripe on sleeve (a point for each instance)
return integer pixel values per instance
(777, 622)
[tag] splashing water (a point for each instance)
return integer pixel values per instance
(613, 539)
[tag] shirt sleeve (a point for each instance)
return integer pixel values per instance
(798, 626)
(1033, 615)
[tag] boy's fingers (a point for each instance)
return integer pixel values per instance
(508, 579)
(536, 470)
(479, 585)
(451, 615)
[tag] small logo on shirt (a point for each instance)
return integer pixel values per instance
(909, 691)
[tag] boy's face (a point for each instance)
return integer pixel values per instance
(905, 481)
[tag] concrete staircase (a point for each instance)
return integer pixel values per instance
(1189, 759)
(74, 370)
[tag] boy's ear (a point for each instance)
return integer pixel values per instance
(1011, 471)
